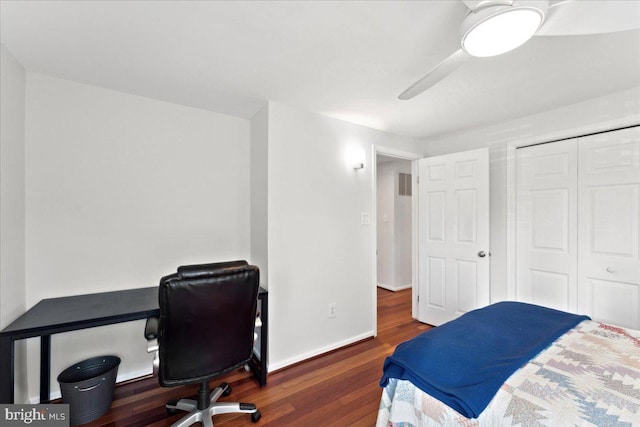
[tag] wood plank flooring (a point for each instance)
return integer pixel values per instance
(336, 389)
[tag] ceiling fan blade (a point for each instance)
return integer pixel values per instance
(437, 73)
(574, 17)
(472, 4)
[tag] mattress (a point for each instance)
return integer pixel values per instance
(590, 376)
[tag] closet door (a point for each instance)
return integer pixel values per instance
(546, 227)
(608, 223)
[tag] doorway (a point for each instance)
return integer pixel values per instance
(385, 154)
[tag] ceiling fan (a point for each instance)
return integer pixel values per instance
(494, 27)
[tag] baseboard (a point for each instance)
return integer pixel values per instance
(272, 367)
(128, 376)
(394, 288)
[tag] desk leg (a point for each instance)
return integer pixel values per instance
(6, 369)
(45, 367)
(258, 363)
(264, 340)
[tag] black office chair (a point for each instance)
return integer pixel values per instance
(205, 329)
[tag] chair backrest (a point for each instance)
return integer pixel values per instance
(207, 321)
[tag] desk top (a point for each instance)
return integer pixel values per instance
(55, 315)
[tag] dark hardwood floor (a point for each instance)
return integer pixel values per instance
(337, 389)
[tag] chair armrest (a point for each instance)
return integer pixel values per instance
(151, 328)
(151, 334)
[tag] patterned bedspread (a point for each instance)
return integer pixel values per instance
(590, 376)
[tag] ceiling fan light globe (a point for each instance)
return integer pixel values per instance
(496, 31)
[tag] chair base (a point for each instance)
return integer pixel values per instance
(204, 415)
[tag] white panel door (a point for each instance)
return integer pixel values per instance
(453, 227)
(546, 206)
(609, 227)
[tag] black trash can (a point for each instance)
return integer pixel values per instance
(88, 386)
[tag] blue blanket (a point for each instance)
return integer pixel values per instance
(464, 362)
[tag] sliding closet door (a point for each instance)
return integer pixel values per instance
(546, 228)
(609, 229)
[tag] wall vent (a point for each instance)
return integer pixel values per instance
(404, 184)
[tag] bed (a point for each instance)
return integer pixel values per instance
(584, 373)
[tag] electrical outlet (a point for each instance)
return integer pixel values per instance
(332, 310)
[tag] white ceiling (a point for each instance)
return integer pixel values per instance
(345, 59)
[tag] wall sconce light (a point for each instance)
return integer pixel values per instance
(355, 157)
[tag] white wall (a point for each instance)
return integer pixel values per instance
(394, 234)
(603, 113)
(12, 293)
(319, 252)
(260, 193)
(120, 190)
(12, 202)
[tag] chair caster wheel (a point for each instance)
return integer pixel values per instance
(172, 411)
(227, 391)
(255, 416)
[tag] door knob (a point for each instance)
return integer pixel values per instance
(610, 270)
(482, 254)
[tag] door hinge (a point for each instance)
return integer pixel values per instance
(418, 180)
(418, 298)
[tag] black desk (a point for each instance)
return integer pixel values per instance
(56, 315)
